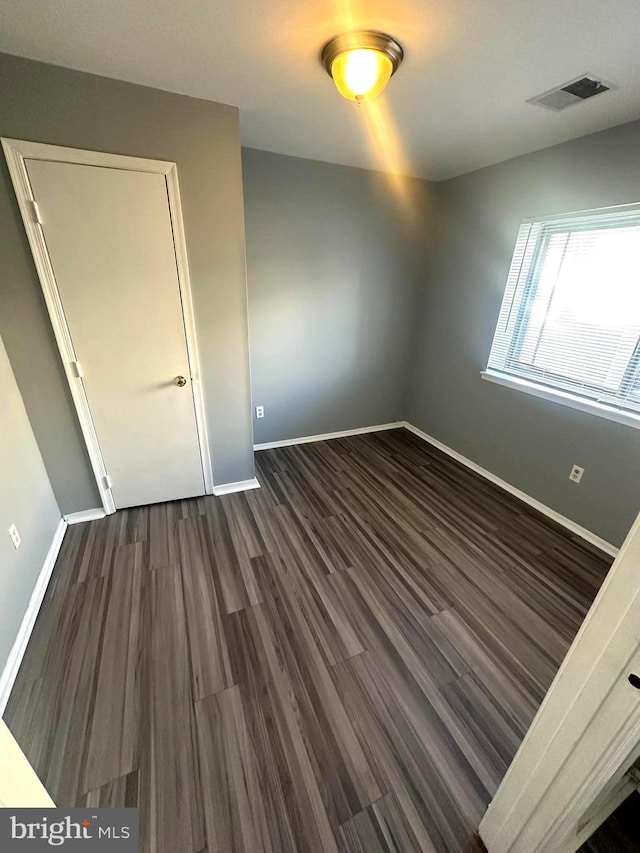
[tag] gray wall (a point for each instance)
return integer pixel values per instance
(529, 442)
(54, 105)
(26, 500)
(333, 261)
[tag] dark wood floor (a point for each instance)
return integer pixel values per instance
(344, 660)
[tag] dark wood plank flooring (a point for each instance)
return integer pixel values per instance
(344, 660)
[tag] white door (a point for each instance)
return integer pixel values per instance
(19, 785)
(110, 242)
(572, 768)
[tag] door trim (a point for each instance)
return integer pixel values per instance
(16, 152)
(569, 773)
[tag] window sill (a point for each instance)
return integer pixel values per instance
(563, 398)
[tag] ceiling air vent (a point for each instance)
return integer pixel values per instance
(571, 93)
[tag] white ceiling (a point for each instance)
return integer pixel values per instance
(458, 101)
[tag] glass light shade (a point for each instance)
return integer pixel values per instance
(361, 74)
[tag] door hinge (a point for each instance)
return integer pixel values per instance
(107, 482)
(36, 212)
(76, 369)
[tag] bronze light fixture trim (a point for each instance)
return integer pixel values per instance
(381, 52)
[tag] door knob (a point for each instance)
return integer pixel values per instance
(634, 680)
(180, 381)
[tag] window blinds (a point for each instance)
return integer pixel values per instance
(570, 317)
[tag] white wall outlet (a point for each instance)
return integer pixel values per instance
(576, 473)
(259, 411)
(15, 536)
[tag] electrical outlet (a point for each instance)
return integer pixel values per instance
(576, 473)
(15, 536)
(259, 411)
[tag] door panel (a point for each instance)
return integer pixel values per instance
(109, 238)
(571, 770)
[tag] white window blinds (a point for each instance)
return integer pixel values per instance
(570, 317)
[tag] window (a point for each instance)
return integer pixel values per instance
(570, 318)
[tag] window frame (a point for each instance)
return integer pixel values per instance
(525, 377)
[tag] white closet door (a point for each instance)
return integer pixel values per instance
(110, 241)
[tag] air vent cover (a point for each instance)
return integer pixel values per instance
(574, 92)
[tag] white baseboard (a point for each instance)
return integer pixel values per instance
(12, 666)
(240, 486)
(570, 525)
(85, 515)
(325, 436)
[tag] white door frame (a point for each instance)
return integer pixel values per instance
(572, 769)
(16, 152)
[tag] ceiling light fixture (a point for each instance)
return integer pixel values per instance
(361, 63)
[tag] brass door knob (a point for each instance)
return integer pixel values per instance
(180, 381)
